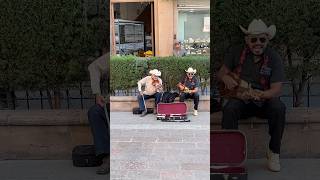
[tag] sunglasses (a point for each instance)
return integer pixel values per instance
(254, 39)
(190, 74)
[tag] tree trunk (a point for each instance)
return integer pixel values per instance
(57, 102)
(298, 91)
(49, 99)
(11, 100)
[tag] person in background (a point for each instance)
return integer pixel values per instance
(97, 114)
(178, 51)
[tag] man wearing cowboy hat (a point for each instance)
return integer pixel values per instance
(262, 67)
(153, 86)
(189, 86)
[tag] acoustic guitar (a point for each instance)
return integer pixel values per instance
(241, 91)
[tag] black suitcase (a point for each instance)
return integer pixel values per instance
(84, 156)
(136, 110)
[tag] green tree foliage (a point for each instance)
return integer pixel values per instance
(297, 39)
(45, 44)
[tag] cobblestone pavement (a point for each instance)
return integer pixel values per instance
(147, 149)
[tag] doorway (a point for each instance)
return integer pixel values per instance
(132, 28)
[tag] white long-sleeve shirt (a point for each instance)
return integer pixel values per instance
(97, 68)
(147, 83)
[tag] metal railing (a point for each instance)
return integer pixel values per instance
(205, 91)
(73, 97)
(80, 96)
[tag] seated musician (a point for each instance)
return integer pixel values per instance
(188, 87)
(152, 89)
(262, 67)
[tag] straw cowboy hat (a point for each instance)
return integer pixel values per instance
(191, 70)
(259, 27)
(155, 72)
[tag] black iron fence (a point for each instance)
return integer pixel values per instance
(80, 97)
(205, 91)
(73, 97)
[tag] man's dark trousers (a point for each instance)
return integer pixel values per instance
(100, 130)
(194, 96)
(273, 110)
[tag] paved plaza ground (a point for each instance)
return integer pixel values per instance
(144, 148)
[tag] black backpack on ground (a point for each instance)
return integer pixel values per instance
(168, 97)
(137, 110)
(85, 156)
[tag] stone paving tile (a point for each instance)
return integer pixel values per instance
(144, 175)
(195, 166)
(176, 175)
(202, 145)
(182, 145)
(196, 151)
(198, 175)
(144, 139)
(187, 158)
(119, 174)
(164, 165)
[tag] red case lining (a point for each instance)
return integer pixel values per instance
(172, 108)
(227, 148)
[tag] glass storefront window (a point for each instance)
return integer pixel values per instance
(194, 26)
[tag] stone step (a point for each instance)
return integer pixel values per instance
(43, 117)
(42, 134)
(41, 142)
(126, 103)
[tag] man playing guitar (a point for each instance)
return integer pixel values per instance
(188, 87)
(262, 67)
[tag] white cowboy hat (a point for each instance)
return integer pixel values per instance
(191, 70)
(155, 72)
(259, 27)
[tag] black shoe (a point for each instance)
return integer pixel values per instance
(105, 167)
(144, 113)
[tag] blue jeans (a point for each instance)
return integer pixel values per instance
(156, 96)
(100, 130)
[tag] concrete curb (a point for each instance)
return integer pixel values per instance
(126, 103)
(43, 118)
